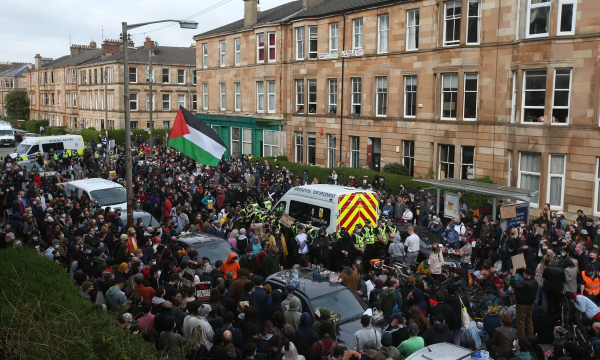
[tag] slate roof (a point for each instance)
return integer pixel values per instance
(15, 71)
(294, 11)
(162, 55)
(273, 15)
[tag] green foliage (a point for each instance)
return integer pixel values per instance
(56, 130)
(392, 181)
(17, 104)
(118, 135)
(44, 317)
(395, 168)
(32, 126)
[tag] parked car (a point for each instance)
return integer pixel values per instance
(442, 351)
(213, 247)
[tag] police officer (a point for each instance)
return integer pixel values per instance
(267, 203)
(370, 236)
(358, 239)
(320, 247)
(65, 159)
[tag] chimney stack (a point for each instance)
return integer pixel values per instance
(38, 61)
(111, 46)
(308, 3)
(149, 44)
(250, 12)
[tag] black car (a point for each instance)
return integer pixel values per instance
(213, 247)
(427, 240)
(336, 297)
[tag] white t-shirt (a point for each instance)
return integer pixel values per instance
(413, 242)
(301, 239)
(407, 214)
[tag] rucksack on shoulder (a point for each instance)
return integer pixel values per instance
(326, 353)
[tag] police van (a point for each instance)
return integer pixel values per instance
(7, 135)
(330, 206)
(107, 193)
(27, 149)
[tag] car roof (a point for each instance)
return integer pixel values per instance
(441, 351)
(314, 288)
(199, 239)
(94, 184)
(40, 138)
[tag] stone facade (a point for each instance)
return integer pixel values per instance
(543, 135)
(12, 79)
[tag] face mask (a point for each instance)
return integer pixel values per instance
(101, 220)
(358, 262)
(544, 248)
(35, 238)
(158, 273)
(563, 254)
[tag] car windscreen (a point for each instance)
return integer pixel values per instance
(22, 148)
(110, 196)
(341, 302)
(214, 250)
(6, 133)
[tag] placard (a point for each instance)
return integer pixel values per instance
(352, 53)
(203, 290)
(518, 261)
(508, 212)
(539, 230)
(286, 220)
(331, 55)
(451, 205)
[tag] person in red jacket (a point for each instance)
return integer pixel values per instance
(37, 179)
(168, 208)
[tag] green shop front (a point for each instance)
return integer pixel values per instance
(246, 135)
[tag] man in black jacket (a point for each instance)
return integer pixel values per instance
(445, 310)
(526, 288)
(438, 333)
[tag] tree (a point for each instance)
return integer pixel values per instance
(395, 168)
(17, 105)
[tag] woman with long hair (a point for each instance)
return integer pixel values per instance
(290, 352)
(416, 316)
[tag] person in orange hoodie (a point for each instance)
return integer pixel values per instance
(231, 264)
(131, 240)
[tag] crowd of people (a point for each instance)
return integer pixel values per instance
(141, 273)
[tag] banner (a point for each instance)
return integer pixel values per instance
(352, 53)
(331, 55)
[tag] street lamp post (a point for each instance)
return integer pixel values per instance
(184, 24)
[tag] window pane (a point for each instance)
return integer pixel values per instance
(566, 18)
(539, 19)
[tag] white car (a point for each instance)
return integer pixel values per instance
(442, 351)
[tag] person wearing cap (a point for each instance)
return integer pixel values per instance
(436, 226)
(438, 332)
(412, 344)
(526, 288)
(54, 247)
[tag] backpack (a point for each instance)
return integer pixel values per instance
(325, 352)
(452, 236)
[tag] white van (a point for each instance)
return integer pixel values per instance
(43, 144)
(331, 206)
(107, 193)
(7, 136)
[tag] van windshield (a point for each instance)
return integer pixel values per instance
(111, 196)
(22, 148)
(6, 133)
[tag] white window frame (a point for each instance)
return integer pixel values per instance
(334, 33)
(524, 91)
(313, 36)
(357, 34)
(260, 97)
(237, 102)
(554, 90)
(194, 77)
(194, 102)
(309, 102)
(298, 147)
(133, 99)
(148, 102)
(297, 82)
(446, 161)
(182, 72)
(353, 81)
(573, 20)
(462, 161)
(162, 78)
(204, 96)
(333, 95)
(477, 18)
(597, 188)
(269, 46)
(442, 117)
(180, 103)
(259, 48)
(476, 92)
(355, 152)
(168, 102)
(381, 41)
(531, 204)
(270, 146)
(382, 92)
(205, 56)
(271, 98)
(222, 97)
(299, 43)
(513, 105)
(331, 150)
(222, 53)
(231, 140)
(560, 176)
(452, 18)
(246, 140)
(510, 167)
(527, 24)
(408, 155)
(415, 13)
(238, 51)
(129, 74)
(74, 76)
(407, 92)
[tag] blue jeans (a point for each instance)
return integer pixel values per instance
(541, 294)
(465, 269)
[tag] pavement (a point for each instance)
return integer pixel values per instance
(5, 150)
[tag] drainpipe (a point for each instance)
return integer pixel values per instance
(342, 90)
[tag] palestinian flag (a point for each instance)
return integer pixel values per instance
(195, 139)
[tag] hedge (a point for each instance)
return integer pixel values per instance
(43, 315)
(32, 126)
(392, 181)
(91, 134)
